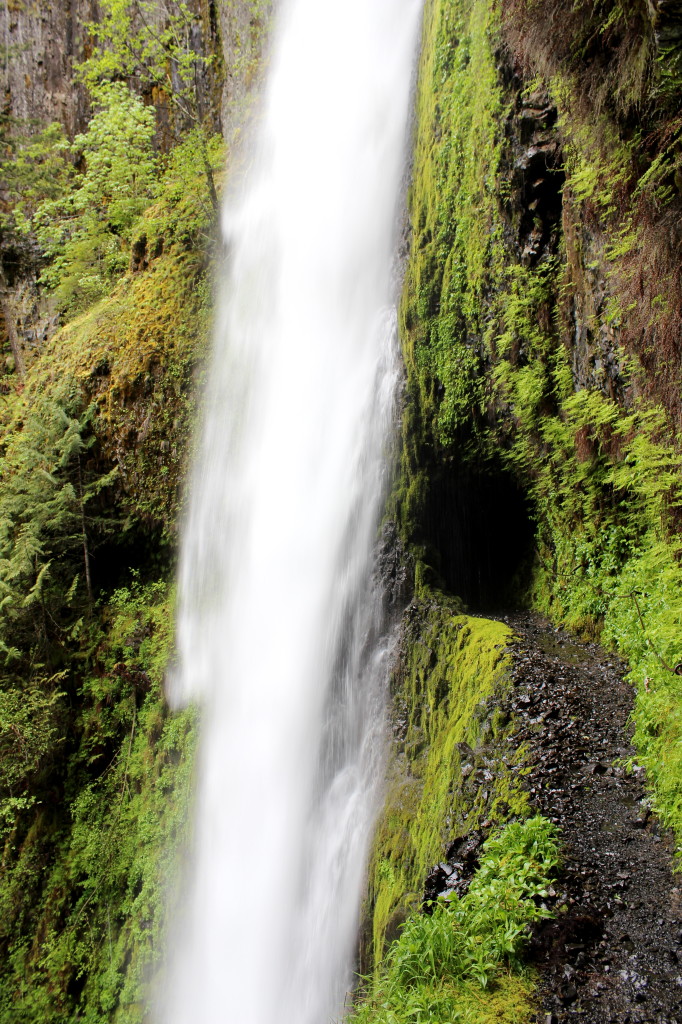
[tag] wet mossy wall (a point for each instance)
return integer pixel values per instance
(451, 671)
(92, 826)
(85, 876)
(534, 336)
(540, 460)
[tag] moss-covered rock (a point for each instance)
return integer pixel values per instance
(452, 670)
(83, 898)
(527, 351)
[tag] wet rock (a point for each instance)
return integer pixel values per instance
(642, 818)
(612, 953)
(465, 751)
(138, 256)
(434, 886)
(454, 875)
(568, 994)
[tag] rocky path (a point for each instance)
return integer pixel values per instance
(616, 954)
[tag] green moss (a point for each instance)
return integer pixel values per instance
(456, 233)
(447, 965)
(83, 900)
(91, 850)
(452, 668)
(489, 343)
(135, 354)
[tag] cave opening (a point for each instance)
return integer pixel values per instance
(480, 531)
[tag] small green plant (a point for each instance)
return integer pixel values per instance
(152, 43)
(155, 45)
(31, 730)
(33, 169)
(468, 940)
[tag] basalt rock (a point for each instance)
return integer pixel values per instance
(454, 875)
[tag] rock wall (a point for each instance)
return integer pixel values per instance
(244, 28)
(541, 335)
(42, 41)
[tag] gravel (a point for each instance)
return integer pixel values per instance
(614, 954)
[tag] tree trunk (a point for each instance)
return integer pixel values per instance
(12, 333)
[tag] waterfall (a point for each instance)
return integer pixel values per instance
(279, 624)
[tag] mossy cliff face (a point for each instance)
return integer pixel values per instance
(95, 434)
(94, 813)
(538, 348)
(541, 455)
(84, 875)
(451, 670)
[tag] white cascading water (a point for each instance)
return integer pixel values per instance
(279, 623)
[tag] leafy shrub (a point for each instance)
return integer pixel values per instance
(34, 168)
(468, 939)
(85, 231)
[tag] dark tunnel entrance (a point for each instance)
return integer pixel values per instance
(480, 527)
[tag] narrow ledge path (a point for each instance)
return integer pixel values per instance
(614, 956)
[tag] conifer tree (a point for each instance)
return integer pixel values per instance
(47, 530)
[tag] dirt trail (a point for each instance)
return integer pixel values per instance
(616, 954)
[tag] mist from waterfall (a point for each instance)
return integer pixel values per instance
(280, 633)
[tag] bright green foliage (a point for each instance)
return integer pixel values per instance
(453, 202)
(185, 206)
(155, 45)
(148, 337)
(83, 899)
(81, 199)
(48, 526)
(452, 671)
(31, 728)
(487, 337)
(120, 165)
(430, 970)
(610, 560)
(465, 305)
(151, 43)
(86, 231)
(33, 169)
